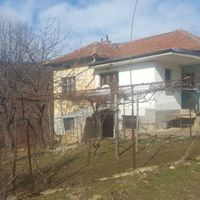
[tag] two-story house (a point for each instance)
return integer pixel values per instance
(157, 59)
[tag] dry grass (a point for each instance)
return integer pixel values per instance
(75, 176)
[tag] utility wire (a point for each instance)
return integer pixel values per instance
(131, 83)
(131, 37)
(133, 19)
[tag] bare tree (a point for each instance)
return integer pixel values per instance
(24, 78)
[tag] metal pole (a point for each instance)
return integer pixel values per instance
(29, 158)
(133, 123)
(190, 123)
(133, 148)
(132, 98)
(116, 129)
(62, 127)
(137, 124)
(49, 119)
(124, 112)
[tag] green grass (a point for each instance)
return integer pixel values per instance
(163, 184)
(78, 175)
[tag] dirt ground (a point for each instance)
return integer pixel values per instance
(176, 132)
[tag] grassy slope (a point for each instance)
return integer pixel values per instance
(78, 178)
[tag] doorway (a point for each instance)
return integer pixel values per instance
(107, 118)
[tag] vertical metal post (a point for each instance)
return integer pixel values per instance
(137, 125)
(133, 125)
(116, 128)
(124, 113)
(133, 148)
(131, 83)
(190, 123)
(29, 158)
(62, 128)
(49, 119)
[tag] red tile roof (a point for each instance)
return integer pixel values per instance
(102, 49)
(177, 39)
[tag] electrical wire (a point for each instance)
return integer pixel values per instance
(131, 83)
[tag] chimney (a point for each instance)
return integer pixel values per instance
(107, 40)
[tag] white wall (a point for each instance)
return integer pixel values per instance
(140, 73)
(167, 100)
(147, 72)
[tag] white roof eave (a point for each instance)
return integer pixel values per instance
(143, 59)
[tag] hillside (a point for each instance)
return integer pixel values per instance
(78, 174)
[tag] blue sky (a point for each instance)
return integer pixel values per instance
(90, 20)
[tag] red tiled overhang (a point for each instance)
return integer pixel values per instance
(177, 39)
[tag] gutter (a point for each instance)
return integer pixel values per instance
(142, 57)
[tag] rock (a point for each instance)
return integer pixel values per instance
(187, 164)
(131, 173)
(51, 191)
(198, 157)
(147, 145)
(21, 150)
(96, 197)
(72, 196)
(180, 138)
(11, 198)
(171, 167)
(146, 169)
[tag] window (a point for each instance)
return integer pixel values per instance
(68, 84)
(167, 77)
(188, 80)
(127, 121)
(110, 79)
(167, 74)
(68, 124)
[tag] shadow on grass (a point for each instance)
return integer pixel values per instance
(125, 150)
(49, 171)
(71, 171)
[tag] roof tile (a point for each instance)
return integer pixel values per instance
(177, 39)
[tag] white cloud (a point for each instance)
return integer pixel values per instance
(22, 10)
(114, 18)
(90, 20)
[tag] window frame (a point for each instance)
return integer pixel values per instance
(188, 78)
(127, 119)
(168, 75)
(68, 84)
(68, 126)
(108, 77)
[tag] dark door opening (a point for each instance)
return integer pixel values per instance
(111, 79)
(107, 118)
(188, 95)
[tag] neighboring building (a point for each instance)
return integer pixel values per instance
(161, 58)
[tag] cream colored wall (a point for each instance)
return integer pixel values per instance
(85, 79)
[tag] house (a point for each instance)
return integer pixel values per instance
(144, 63)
